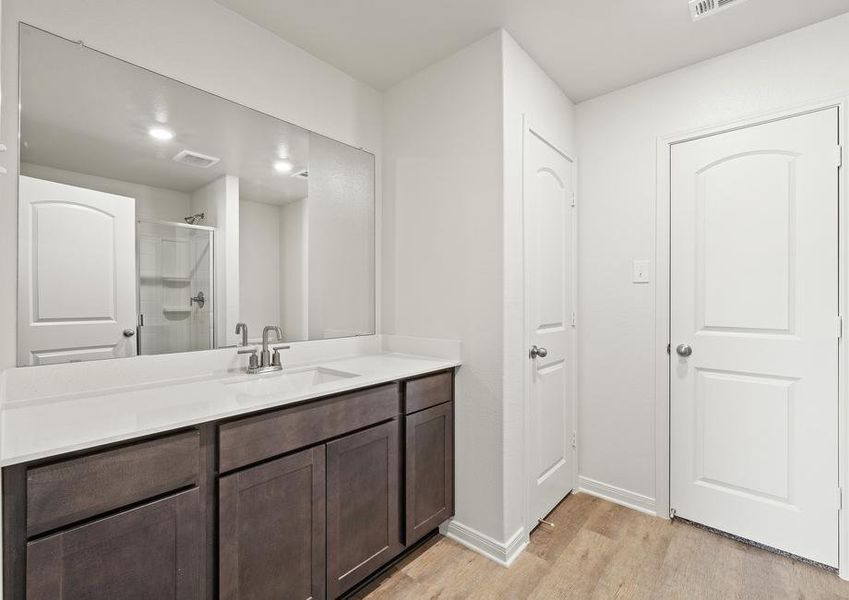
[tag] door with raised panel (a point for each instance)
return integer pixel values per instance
(76, 272)
(363, 504)
(548, 304)
(754, 307)
(272, 530)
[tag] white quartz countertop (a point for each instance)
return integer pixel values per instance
(51, 426)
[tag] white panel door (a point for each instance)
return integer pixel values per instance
(548, 300)
(754, 267)
(77, 274)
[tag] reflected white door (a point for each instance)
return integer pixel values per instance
(548, 302)
(754, 267)
(76, 263)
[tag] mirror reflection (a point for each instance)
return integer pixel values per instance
(154, 217)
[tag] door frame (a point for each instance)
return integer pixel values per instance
(530, 128)
(661, 290)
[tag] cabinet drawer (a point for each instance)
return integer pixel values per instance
(75, 489)
(428, 391)
(264, 436)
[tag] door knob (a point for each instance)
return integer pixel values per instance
(129, 332)
(537, 351)
(684, 350)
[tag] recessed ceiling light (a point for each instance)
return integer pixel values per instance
(161, 133)
(283, 166)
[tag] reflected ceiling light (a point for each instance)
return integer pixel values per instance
(161, 133)
(283, 166)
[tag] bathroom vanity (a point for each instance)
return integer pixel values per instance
(307, 483)
(159, 224)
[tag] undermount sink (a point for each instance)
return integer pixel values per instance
(283, 382)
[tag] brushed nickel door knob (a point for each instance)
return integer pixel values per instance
(537, 351)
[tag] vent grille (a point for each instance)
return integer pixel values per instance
(699, 9)
(195, 159)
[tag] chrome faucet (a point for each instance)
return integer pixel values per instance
(266, 362)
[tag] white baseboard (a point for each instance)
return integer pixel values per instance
(502, 553)
(618, 495)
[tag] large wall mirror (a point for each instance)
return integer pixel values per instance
(154, 217)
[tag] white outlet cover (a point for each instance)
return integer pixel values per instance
(642, 271)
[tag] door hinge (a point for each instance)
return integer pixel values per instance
(839, 327)
(141, 320)
(574, 319)
(838, 155)
(669, 349)
(839, 498)
(574, 200)
(574, 440)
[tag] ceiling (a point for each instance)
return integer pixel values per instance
(90, 113)
(589, 47)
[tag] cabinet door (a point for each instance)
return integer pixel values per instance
(429, 470)
(148, 552)
(363, 512)
(271, 530)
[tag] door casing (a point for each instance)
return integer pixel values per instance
(528, 129)
(661, 289)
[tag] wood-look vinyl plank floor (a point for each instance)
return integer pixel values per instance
(603, 551)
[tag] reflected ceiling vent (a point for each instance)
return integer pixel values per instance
(699, 9)
(304, 174)
(195, 159)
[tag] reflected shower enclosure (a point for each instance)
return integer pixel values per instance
(175, 287)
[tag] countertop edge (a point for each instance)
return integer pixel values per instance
(353, 384)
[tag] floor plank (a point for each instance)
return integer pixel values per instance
(602, 551)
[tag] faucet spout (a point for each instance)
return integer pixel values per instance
(243, 329)
(265, 357)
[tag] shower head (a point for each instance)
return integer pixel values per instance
(195, 218)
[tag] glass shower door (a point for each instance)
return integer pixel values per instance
(176, 283)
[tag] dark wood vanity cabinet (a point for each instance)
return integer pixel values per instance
(122, 522)
(272, 529)
(363, 504)
(429, 459)
(300, 502)
(152, 551)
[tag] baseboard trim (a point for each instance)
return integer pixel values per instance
(502, 553)
(618, 495)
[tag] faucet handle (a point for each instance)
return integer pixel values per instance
(253, 362)
(275, 360)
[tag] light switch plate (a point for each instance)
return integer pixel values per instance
(642, 271)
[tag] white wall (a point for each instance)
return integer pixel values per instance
(340, 241)
(452, 251)
(151, 202)
(219, 202)
(442, 249)
(617, 171)
(528, 93)
(259, 266)
(198, 42)
(294, 269)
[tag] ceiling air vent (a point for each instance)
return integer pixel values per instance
(699, 9)
(195, 159)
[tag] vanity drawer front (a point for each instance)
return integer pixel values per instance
(257, 438)
(425, 392)
(72, 490)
